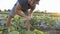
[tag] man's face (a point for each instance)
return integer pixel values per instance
(35, 2)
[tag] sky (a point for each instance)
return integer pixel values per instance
(49, 5)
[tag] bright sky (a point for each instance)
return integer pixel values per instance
(49, 5)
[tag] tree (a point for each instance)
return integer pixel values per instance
(8, 10)
(5, 10)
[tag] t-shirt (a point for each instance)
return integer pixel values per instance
(24, 5)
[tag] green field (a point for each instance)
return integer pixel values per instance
(42, 23)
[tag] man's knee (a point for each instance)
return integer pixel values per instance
(10, 17)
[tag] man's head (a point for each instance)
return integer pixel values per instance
(33, 2)
(36, 2)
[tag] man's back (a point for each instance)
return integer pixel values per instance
(24, 4)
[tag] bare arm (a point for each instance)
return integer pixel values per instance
(20, 14)
(28, 18)
(30, 12)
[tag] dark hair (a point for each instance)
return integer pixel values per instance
(37, 0)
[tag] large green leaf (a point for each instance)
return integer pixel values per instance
(14, 32)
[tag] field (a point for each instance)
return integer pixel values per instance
(42, 23)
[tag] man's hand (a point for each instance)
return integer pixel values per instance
(27, 17)
(28, 25)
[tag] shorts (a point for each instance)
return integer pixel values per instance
(12, 12)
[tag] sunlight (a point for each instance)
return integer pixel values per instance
(49, 5)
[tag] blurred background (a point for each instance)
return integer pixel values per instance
(45, 18)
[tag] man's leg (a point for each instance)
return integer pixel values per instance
(14, 11)
(8, 23)
(6, 30)
(28, 25)
(12, 14)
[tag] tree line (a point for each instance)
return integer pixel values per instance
(4, 10)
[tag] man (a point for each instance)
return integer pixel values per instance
(23, 5)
